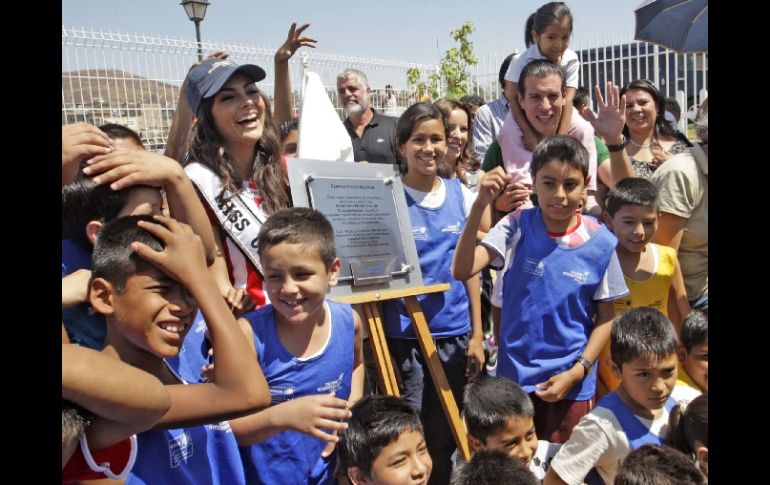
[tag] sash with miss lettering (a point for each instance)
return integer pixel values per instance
(240, 217)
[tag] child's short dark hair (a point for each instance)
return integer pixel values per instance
(377, 421)
(116, 132)
(83, 201)
(491, 467)
(489, 402)
(563, 148)
(642, 332)
(300, 225)
(632, 191)
(658, 465)
(581, 98)
(113, 258)
(695, 329)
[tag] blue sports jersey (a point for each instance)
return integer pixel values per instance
(548, 306)
(436, 232)
(636, 431)
(290, 456)
(195, 455)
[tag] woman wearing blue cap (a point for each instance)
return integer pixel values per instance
(234, 160)
(234, 163)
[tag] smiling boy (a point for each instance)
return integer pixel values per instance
(149, 276)
(560, 275)
(651, 271)
(310, 349)
(644, 358)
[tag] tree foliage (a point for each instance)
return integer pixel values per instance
(452, 70)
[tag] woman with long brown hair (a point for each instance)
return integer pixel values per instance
(234, 162)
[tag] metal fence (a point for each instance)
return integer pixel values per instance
(684, 76)
(134, 79)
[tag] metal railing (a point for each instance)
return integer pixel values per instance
(134, 79)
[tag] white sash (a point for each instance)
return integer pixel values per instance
(238, 214)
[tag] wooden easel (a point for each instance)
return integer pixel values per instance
(386, 374)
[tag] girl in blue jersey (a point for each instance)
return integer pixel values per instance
(437, 211)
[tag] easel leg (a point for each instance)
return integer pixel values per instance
(386, 375)
(437, 374)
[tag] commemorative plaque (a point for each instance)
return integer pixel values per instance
(366, 207)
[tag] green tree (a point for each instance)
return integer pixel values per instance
(453, 68)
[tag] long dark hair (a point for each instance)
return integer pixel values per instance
(662, 127)
(207, 148)
(548, 14)
(466, 160)
(414, 114)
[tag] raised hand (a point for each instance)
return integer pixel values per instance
(294, 40)
(80, 141)
(123, 168)
(239, 300)
(513, 197)
(611, 119)
(183, 256)
(492, 183)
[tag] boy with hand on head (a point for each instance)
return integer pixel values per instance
(644, 358)
(310, 349)
(559, 270)
(651, 271)
(493, 467)
(694, 351)
(499, 416)
(130, 186)
(384, 444)
(149, 276)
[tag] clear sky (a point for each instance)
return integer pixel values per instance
(404, 30)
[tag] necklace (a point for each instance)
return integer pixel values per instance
(638, 145)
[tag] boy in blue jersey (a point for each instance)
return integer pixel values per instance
(149, 276)
(559, 279)
(310, 349)
(644, 357)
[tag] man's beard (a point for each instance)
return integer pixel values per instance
(356, 108)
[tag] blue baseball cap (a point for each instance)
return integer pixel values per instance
(207, 78)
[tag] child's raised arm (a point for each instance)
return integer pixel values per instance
(238, 384)
(470, 258)
(124, 168)
(125, 400)
(74, 288)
